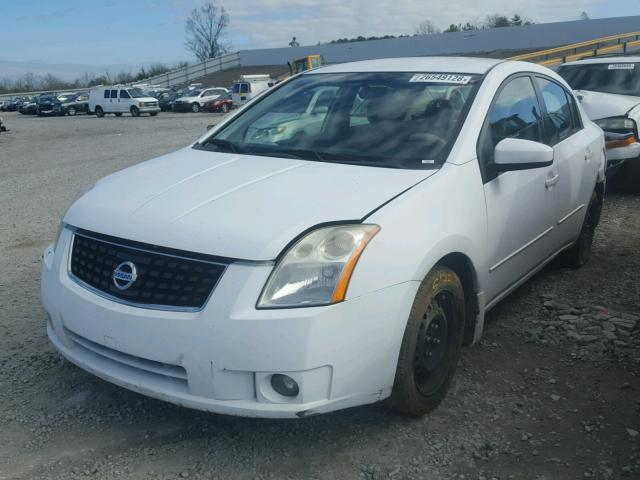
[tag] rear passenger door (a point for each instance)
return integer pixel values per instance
(521, 204)
(574, 156)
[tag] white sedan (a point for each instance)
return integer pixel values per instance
(284, 276)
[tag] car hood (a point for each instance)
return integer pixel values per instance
(237, 206)
(146, 99)
(599, 105)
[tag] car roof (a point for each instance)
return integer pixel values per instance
(620, 59)
(414, 64)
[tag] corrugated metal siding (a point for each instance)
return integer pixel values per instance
(528, 37)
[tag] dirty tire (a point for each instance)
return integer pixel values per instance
(580, 252)
(135, 112)
(195, 107)
(431, 345)
(99, 112)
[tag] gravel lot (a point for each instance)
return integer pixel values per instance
(552, 392)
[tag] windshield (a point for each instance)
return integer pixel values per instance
(192, 93)
(394, 120)
(618, 78)
(137, 93)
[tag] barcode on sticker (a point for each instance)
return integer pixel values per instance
(441, 78)
(622, 66)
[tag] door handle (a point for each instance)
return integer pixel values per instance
(551, 180)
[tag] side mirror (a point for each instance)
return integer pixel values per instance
(517, 154)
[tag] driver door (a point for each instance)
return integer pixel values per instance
(521, 204)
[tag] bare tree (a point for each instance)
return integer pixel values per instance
(205, 28)
(427, 27)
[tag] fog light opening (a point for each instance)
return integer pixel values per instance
(284, 385)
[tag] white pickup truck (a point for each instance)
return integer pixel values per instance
(609, 90)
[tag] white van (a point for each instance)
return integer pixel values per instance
(119, 99)
(248, 87)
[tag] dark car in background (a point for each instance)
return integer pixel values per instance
(223, 104)
(45, 105)
(166, 100)
(28, 107)
(72, 104)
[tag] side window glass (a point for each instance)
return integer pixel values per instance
(244, 88)
(514, 114)
(124, 94)
(559, 118)
(106, 94)
(114, 93)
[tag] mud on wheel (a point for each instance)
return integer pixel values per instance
(431, 344)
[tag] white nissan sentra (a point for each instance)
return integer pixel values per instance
(299, 260)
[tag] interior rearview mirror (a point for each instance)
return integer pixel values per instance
(518, 154)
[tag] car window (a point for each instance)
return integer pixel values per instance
(124, 94)
(384, 119)
(622, 78)
(114, 93)
(558, 120)
(106, 94)
(515, 113)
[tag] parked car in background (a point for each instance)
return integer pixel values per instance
(248, 86)
(609, 90)
(166, 100)
(119, 100)
(9, 106)
(29, 106)
(194, 100)
(223, 104)
(72, 104)
(339, 267)
(45, 105)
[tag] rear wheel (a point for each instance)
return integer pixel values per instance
(135, 112)
(99, 112)
(431, 344)
(72, 111)
(195, 107)
(580, 252)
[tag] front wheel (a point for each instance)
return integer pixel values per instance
(431, 344)
(99, 112)
(72, 111)
(195, 107)
(580, 252)
(135, 112)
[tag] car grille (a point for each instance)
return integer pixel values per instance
(166, 278)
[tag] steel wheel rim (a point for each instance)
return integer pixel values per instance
(430, 366)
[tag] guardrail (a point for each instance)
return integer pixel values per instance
(615, 43)
(194, 72)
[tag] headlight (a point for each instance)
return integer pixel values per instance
(316, 270)
(616, 124)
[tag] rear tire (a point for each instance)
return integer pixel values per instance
(431, 344)
(99, 112)
(580, 252)
(72, 111)
(195, 107)
(135, 112)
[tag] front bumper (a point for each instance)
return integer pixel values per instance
(630, 152)
(149, 109)
(220, 359)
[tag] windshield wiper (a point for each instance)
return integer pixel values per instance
(221, 145)
(298, 154)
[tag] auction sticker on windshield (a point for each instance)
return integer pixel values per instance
(622, 66)
(441, 78)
